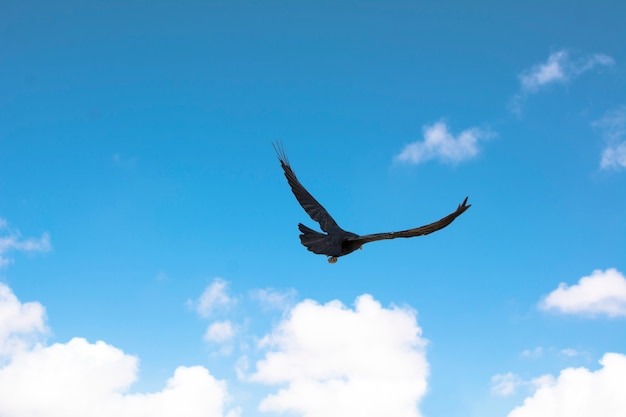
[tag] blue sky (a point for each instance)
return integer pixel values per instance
(147, 233)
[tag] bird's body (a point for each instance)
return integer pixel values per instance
(336, 242)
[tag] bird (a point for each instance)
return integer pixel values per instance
(337, 242)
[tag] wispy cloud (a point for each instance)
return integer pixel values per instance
(124, 161)
(602, 292)
(569, 352)
(11, 240)
(559, 68)
(579, 392)
(271, 299)
(220, 332)
(439, 143)
(214, 296)
(533, 353)
(335, 361)
(613, 129)
(508, 384)
(505, 384)
(553, 352)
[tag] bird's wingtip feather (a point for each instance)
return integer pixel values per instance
(280, 152)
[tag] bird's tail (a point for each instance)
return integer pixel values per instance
(314, 241)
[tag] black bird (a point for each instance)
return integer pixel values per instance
(337, 242)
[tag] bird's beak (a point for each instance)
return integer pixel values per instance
(361, 247)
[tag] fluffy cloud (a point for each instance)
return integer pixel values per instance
(440, 144)
(336, 361)
(560, 67)
(20, 324)
(79, 378)
(603, 292)
(214, 296)
(613, 129)
(579, 392)
(11, 240)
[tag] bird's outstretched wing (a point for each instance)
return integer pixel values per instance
(313, 208)
(418, 231)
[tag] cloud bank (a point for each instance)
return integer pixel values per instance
(601, 293)
(78, 378)
(438, 143)
(330, 360)
(335, 361)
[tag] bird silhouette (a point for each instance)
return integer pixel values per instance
(336, 242)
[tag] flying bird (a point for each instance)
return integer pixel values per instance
(337, 242)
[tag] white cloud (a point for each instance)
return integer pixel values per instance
(79, 378)
(560, 67)
(553, 70)
(214, 296)
(613, 129)
(11, 240)
(505, 384)
(220, 332)
(614, 156)
(271, 299)
(335, 361)
(603, 292)
(20, 323)
(579, 392)
(440, 144)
